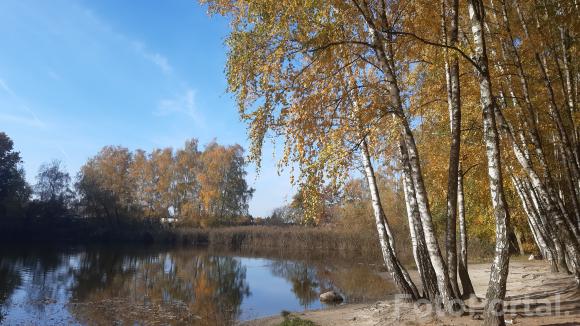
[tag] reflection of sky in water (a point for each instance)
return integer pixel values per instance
(42, 297)
(49, 280)
(269, 294)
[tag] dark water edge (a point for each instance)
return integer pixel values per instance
(170, 285)
(62, 230)
(249, 239)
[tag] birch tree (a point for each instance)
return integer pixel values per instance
(305, 47)
(493, 313)
(297, 68)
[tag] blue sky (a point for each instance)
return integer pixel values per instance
(76, 75)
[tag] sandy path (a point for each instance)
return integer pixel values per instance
(535, 296)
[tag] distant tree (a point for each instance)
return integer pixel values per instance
(287, 214)
(187, 187)
(141, 175)
(235, 191)
(197, 188)
(224, 192)
(161, 161)
(53, 183)
(53, 191)
(14, 191)
(105, 185)
(294, 212)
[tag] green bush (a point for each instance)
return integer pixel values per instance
(295, 321)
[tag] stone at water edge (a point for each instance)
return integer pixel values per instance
(331, 296)
(534, 257)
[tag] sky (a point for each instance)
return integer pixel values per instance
(77, 75)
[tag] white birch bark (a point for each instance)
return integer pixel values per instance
(462, 265)
(454, 107)
(538, 184)
(532, 217)
(384, 55)
(391, 262)
(551, 230)
(426, 221)
(493, 312)
(420, 251)
(570, 160)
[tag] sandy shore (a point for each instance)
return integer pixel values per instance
(535, 296)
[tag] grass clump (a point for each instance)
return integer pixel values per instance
(295, 321)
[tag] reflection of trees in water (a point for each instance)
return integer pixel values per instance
(174, 288)
(360, 283)
(113, 286)
(110, 286)
(302, 276)
(9, 281)
(44, 270)
(98, 269)
(357, 283)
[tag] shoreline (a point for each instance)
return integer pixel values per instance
(535, 296)
(245, 238)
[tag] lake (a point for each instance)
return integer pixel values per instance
(169, 286)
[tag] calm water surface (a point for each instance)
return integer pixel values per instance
(178, 286)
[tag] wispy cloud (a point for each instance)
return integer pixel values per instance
(63, 152)
(138, 46)
(32, 119)
(5, 87)
(156, 58)
(31, 122)
(54, 75)
(182, 104)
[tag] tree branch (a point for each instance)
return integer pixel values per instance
(454, 48)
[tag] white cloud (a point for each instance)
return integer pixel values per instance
(158, 59)
(182, 104)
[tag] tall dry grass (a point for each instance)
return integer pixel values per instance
(290, 240)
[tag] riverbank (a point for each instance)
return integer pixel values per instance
(247, 239)
(535, 296)
(255, 240)
(283, 240)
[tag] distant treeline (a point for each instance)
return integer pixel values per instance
(121, 189)
(198, 188)
(125, 196)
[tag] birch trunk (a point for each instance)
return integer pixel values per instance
(454, 106)
(530, 124)
(570, 87)
(384, 55)
(551, 229)
(493, 312)
(420, 252)
(570, 163)
(445, 291)
(530, 120)
(566, 229)
(463, 270)
(544, 189)
(538, 234)
(564, 39)
(392, 263)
